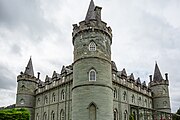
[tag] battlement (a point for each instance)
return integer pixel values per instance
(91, 25)
(162, 82)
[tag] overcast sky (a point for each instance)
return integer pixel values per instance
(144, 31)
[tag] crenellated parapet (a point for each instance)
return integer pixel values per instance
(91, 25)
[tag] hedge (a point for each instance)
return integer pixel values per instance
(14, 114)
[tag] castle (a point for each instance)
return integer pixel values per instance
(92, 88)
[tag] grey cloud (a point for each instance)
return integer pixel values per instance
(7, 80)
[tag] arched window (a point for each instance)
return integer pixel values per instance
(92, 75)
(45, 99)
(115, 114)
(62, 95)
(133, 99)
(37, 116)
(53, 97)
(92, 46)
(45, 116)
(52, 115)
(139, 100)
(124, 96)
(145, 102)
(38, 101)
(165, 103)
(125, 115)
(22, 101)
(92, 111)
(62, 115)
(115, 93)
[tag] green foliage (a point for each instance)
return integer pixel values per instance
(177, 115)
(131, 117)
(14, 114)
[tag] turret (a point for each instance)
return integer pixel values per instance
(92, 93)
(160, 89)
(25, 90)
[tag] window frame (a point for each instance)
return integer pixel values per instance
(92, 75)
(92, 46)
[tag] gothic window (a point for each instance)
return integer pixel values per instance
(125, 115)
(52, 115)
(145, 102)
(165, 103)
(92, 112)
(150, 104)
(62, 95)
(133, 99)
(22, 101)
(124, 96)
(139, 100)
(45, 99)
(38, 101)
(62, 115)
(164, 91)
(22, 87)
(37, 116)
(53, 97)
(45, 116)
(92, 75)
(92, 46)
(115, 114)
(115, 93)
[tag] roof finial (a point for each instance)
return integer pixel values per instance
(90, 13)
(29, 69)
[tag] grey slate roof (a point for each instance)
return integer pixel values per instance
(90, 13)
(157, 74)
(29, 69)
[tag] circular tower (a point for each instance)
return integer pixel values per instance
(25, 90)
(160, 89)
(92, 93)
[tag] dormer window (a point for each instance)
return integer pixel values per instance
(92, 46)
(92, 75)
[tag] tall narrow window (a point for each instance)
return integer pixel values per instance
(124, 96)
(62, 115)
(92, 112)
(115, 93)
(92, 75)
(53, 97)
(125, 115)
(52, 115)
(45, 116)
(62, 95)
(46, 100)
(115, 114)
(145, 102)
(92, 46)
(133, 99)
(22, 101)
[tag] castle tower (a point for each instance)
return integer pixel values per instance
(25, 90)
(160, 89)
(92, 93)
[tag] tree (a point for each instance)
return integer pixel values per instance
(177, 115)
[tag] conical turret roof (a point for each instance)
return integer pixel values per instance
(29, 69)
(90, 13)
(157, 74)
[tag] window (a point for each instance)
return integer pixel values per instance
(124, 96)
(114, 76)
(139, 100)
(92, 46)
(125, 115)
(92, 75)
(46, 100)
(115, 93)
(133, 99)
(38, 101)
(45, 116)
(62, 95)
(92, 111)
(52, 115)
(22, 101)
(165, 103)
(62, 115)
(115, 114)
(37, 116)
(145, 102)
(53, 97)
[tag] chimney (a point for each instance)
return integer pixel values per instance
(166, 76)
(38, 75)
(98, 13)
(150, 77)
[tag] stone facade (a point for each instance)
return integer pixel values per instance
(92, 88)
